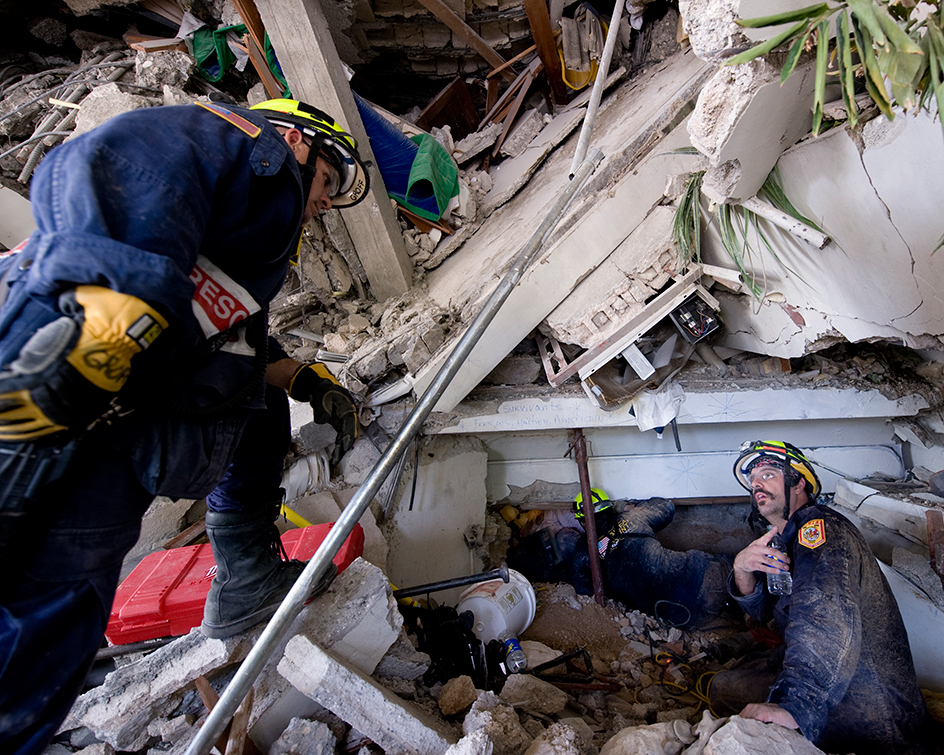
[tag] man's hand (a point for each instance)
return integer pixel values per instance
(758, 557)
(67, 374)
(769, 713)
(331, 404)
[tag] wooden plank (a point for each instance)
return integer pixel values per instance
(210, 698)
(510, 93)
(188, 537)
(249, 14)
(513, 112)
(520, 56)
(302, 39)
(491, 95)
(460, 27)
(546, 43)
(239, 742)
(423, 224)
(259, 62)
(155, 44)
(453, 106)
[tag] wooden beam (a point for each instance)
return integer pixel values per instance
(460, 27)
(513, 112)
(249, 14)
(259, 62)
(453, 106)
(302, 41)
(546, 43)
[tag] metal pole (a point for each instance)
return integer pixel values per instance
(408, 592)
(297, 597)
(596, 94)
(589, 514)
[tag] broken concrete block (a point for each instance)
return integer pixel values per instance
(168, 68)
(528, 126)
(375, 544)
(457, 694)
(359, 461)
(314, 437)
(99, 748)
(743, 735)
(529, 693)
(49, 30)
(357, 616)
(500, 722)
(396, 726)
(516, 370)
(403, 661)
(744, 114)
(170, 729)
(303, 737)
(476, 743)
(711, 28)
(416, 356)
(557, 739)
(105, 102)
(658, 739)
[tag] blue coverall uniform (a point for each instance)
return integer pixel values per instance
(845, 671)
(130, 206)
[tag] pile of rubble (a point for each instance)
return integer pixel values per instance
(349, 678)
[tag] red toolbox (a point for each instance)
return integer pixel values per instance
(164, 595)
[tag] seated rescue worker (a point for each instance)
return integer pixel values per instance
(679, 587)
(135, 362)
(844, 676)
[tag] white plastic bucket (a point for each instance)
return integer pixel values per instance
(498, 606)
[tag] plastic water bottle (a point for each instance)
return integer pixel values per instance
(515, 659)
(780, 583)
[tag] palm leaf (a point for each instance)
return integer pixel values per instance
(765, 47)
(822, 62)
(846, 70)
(864, 11)
(773, 192)
(810, 11)
(793, 56)
(874, 82)
(686, 226)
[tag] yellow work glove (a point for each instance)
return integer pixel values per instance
(331, 404)
(67, 374)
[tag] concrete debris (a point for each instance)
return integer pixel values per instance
(527, 692)
(105, 102)
(170, 68)
(557, 739)
(742, 736)
(457, 695)
(500, 723)
(302, 737)
(394, 725)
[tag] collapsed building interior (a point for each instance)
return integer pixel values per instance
(820, 325)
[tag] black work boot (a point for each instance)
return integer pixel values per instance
(252, 574)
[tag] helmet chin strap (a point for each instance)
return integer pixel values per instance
(308, 171)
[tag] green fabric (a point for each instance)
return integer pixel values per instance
(436, 167)
(212, 52)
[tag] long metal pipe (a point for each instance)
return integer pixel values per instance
(603, 70)
(293, 603)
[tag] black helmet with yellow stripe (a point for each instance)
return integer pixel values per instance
(779, 454)
(329, 141)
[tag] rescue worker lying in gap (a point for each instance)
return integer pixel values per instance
(844, 675)
(683, 588)
(135, 362)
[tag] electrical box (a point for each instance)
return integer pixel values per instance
(695, 319)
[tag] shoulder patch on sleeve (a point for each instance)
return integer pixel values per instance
(812, 534)
(247, 127)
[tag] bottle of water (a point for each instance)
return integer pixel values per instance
(780, 583)
(515, 659)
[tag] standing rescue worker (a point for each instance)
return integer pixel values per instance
(135, 362)
(844, 675)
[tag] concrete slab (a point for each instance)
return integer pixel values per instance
(744, 120)
(877, 279)
(426, 533)
(396, 726)
(627, 185)
(16, 218)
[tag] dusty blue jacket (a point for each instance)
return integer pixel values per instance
(848, 677)
(130, 206)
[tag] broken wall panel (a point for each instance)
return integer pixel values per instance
(878, 278)
(628, 184)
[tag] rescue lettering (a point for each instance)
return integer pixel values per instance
(219, 302)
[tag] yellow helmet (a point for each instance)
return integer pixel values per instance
(329, 141)
(601, 502)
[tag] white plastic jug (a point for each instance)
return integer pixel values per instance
(498, 605)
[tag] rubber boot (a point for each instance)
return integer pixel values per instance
(252, 577)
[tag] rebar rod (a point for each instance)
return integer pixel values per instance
(314, 570)
(603, 70)
(589, 514)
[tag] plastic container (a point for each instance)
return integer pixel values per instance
(499, 607)
(780, 583)
(164, 595)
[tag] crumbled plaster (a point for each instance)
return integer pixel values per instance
(711, 29)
